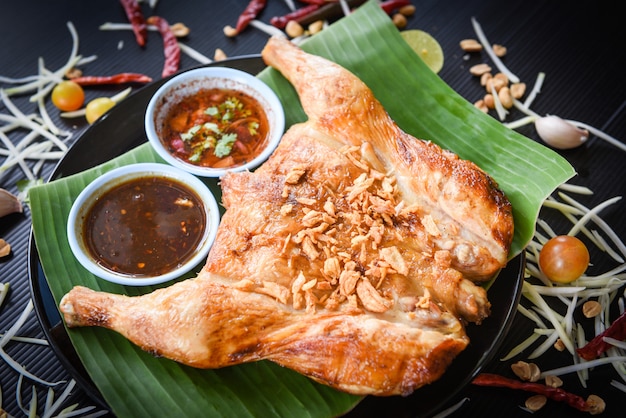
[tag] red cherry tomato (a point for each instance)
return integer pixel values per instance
(563, 259)
(68, 96)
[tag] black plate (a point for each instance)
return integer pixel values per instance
(122, 130)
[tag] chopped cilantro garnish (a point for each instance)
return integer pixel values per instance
(232, 103)
(186, 136)
(211, 126)
(211, 133)
(225, 145)
(253, 127)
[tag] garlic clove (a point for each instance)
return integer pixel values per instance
(559, 133)
(9, 203)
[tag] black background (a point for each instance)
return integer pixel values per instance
(579, 47)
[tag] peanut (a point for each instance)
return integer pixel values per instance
(316, 27)
(502, 77)
(179, 30)
(518, 90)
(553, 381)
(499, 50)
(471, 45)
(480, 69)
(399, 20)
(219, 55)
(535, 403)
(294, 29)
(526, 371)
(485, 78)
(496, 82)
(505, 97)
(230, 31)
(408, 10)
(559, 345)
(489, 101)
(595, 404)
(480, 104)
(73, 73)
(591, 308)
(5, 248)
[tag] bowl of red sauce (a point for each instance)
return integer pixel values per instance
(143, 224)
(213, 120)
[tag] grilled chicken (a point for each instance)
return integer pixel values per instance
(354, 255)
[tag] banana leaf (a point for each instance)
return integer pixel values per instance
(134, 383)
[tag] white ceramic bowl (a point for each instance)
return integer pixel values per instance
(188, 83)
(96, 189)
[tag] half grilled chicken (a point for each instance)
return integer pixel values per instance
(354, 255)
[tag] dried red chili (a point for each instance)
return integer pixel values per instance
(324, 9)
(121, 78)
(556, 394)
(136, 19)
(171, 50)
(281, 21)
(251, 11)
(597, 346)
(318, 2)
(390, 5)
(327, 10)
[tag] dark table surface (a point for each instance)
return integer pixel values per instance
(578, 46)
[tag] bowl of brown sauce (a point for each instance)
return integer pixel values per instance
(143, 224)
(213, 120)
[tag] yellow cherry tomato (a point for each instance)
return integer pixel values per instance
(563, 259)
(98, 107)
(68, 96)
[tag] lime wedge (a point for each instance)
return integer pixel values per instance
(426, 47)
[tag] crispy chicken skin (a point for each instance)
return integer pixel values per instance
(351, 256)
(344, 109)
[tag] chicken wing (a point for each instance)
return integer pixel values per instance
(351, 255)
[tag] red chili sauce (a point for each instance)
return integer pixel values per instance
(216, 128)
(145, 227)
